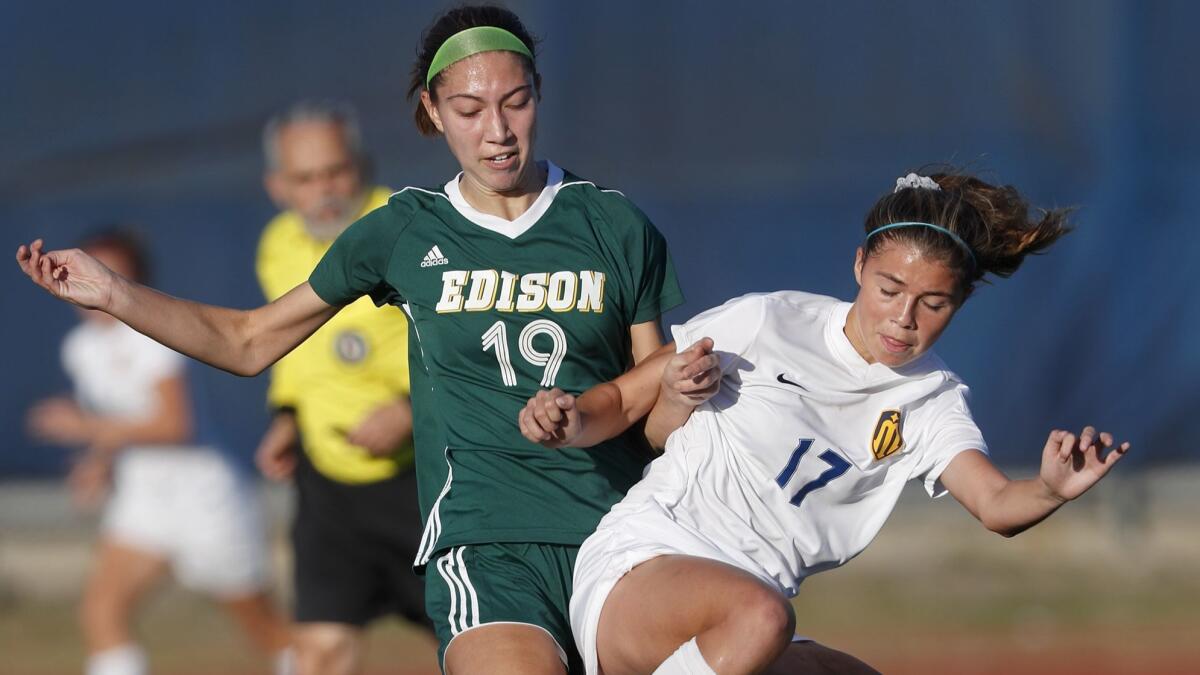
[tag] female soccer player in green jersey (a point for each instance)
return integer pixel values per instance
(517, 276)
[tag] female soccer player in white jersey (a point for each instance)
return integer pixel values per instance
(822, 411)
(175, 506)
(516, 275)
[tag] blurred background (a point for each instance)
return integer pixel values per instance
(755, 136)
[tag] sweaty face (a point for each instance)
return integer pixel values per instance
(487, 109)
(317, 176)
(905, 300)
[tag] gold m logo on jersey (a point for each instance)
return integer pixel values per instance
(886, 438)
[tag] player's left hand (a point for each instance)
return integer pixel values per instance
(693, 375)
(58, 420)
(384, 430)
(71, 275)
(276, 455)
(551, 419)
(1071, 464)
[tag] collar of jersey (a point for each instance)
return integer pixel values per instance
(509, 228)
(839, 344)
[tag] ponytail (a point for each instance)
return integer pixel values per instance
(990, 228)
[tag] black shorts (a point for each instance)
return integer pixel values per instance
(354, 547)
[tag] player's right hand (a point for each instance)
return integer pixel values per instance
(693, 375)
(58, 420)
(276, 453)
(71, 275)
(90, 479)
(550, 418)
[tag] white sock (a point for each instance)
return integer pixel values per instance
(127, 659)
(687, 660)
(285, 662)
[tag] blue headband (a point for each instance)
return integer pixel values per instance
(957, 239)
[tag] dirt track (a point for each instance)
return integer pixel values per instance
(1091, 591)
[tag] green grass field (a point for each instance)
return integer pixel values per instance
(1085, 592)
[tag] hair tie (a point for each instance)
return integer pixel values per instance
(912, 180)
(473, 41)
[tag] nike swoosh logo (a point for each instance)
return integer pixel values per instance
(784, 380)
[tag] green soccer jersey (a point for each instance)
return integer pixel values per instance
(500, 309)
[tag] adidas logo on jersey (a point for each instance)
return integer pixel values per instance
(434, 258)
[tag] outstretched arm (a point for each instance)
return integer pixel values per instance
(557, 419)
(1070, 466)
(243, 342)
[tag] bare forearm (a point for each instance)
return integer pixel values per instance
(602, 415)
(1018, 506)
(667, 416)
(1070, 466)
(210, 334)
(243, 342)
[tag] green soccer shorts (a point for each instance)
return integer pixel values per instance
(474, 585)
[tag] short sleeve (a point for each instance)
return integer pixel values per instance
(952, 430)
(357, 262)
(656, 287)
(733, 328)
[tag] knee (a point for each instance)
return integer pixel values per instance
(321, 650)
(766, 615)
(259, 621)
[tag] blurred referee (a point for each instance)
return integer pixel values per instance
(342, 397)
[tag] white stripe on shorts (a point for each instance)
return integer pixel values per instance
(443, 565)
(464, 602)
(466, 579)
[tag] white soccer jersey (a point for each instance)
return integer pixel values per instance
(115, 369)
(793, 466)
(800, 457)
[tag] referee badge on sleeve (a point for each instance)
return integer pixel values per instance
(886, 438)
(351, 346)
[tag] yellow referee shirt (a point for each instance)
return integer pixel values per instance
(351, 366)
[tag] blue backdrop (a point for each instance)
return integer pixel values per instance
(756, 136)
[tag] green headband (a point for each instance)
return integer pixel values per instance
(473, 41)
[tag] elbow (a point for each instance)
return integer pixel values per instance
(994, 522)
(1006, 530)
(250, 357)
(248, 368)
(243, 364)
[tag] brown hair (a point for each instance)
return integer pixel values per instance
(992, 220)
(444, 27)
(123, 239)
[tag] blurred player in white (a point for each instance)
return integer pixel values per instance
(820, 411)
(175, 506)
